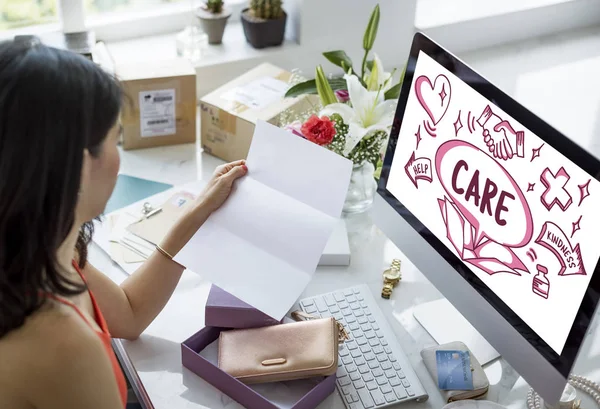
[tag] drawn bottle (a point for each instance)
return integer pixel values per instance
(541, 284)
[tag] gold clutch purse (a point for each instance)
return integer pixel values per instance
(281, 352)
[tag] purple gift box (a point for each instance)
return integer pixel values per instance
(226, 311)
(249, 396)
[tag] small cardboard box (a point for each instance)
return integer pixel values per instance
(226, 311)
(160, 106)
(199, 355)
(229, 114)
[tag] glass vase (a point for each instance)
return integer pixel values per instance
(361, 190)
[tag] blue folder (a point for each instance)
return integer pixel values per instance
(129, 190)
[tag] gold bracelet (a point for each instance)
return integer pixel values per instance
(167, 255)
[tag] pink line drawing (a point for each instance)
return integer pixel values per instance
(554, 239)
(535, 153)
(434, 97)
(531, 187)
(457, 125)
(500, 137)
(429, 128)
(488, 255)
(418, 169)
(555, 188)
(471, 122)
(584, 191)
(576, 226)
(531, 254)
(541, 284)
(418, 136)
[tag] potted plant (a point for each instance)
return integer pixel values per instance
(264, 23)
(213, 18)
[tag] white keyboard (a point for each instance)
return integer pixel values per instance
(373, 371)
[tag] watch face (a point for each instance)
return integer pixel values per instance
(391, 274)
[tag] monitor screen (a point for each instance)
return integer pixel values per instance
(520, 215)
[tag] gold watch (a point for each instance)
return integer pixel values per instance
(391, 277)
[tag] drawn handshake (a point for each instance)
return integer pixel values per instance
(500, 137)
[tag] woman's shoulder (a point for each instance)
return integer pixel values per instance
(52, 342)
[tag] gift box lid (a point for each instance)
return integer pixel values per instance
(227, 311)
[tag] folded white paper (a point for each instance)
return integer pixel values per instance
(264, 244)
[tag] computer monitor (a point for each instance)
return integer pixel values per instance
(499, 210)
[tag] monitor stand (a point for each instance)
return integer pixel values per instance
(445, 324)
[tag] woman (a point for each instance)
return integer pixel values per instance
(58, 166)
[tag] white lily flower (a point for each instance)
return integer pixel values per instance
(384, 79)
(368, 113)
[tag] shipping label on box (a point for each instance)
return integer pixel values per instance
(229, 114)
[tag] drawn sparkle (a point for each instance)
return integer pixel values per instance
(584, 191)
(457, 125)
(531, 187)
(443, 94)
(418, 135)
(576, 226)
(535, 153)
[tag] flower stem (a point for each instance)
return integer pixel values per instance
(364, 67)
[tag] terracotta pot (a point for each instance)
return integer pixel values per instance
(213, 24)
(261, 33)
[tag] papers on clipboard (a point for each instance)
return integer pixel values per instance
(264, 244)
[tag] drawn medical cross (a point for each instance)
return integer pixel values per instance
(555, 193)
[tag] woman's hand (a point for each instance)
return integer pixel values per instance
(219, 187)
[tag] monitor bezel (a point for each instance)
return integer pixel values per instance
(563, 362)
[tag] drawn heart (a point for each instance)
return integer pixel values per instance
(434, 98)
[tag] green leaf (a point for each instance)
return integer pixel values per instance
(310, 87)
(339, 58)
(394, 92)
(371, 31)
(323, 88)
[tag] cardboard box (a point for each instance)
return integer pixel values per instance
(229, 114)
(302, 394)
(160, 106)
(226, 311)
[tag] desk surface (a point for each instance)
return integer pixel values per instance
(156, 354)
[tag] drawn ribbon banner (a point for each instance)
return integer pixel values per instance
(554, 239)
(418, 169)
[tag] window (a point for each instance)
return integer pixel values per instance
(21, 13)
(116, 6)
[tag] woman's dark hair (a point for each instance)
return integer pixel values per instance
(54, 104)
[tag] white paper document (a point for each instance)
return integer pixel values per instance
(264, 244)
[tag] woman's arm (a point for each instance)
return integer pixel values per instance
(130, 308)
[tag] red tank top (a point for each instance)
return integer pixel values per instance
(103, 334)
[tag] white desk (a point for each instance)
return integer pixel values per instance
(156, 355)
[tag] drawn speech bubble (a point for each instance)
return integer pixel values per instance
(486, 194)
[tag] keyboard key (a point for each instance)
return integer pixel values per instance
(369, 356)
(389, 373)
(354, 397)
(378, 349)
(390, 397)
(344, 380)
(343, 304)
(351, 368)
(351, 299)
(397, 367)
(377, 372)
(384, 342)
(372, 385)
(329, 300)
(339, 317)
(359, 384)
(379, 334)
(375, 326)
(361, 341)
(362, 320)
(405, 383)
(386, 388)
(365, 349)
(364, 369)
(400, 373)
(392, 358)
(347, 360)
(363, 305)
(354, 326)
(371, 319)
(356, 290)
(360, 361)
(410, 392)
(359, 297)
(355, 307)
(373, 364)
(388, 350)
(370, 334)
(321, 306)
(311, 309)
(346, 390)
(344, 352)
(359, 313)
(373, 342)
(400, 393)
(354, 376)
(339, 297)
(365, 327)
(325, 314)
(348, 292)
(367, 377)
(386, 365)
(352, 345)
(333, 309)
(395, 381)
(377, 397)
(307, 302)
(346, 312)
(349, 399)
(382, 358)
(355, 406)
(382, 381)
(341, 372)
(356, 353)
(365, 398)
(350, 319)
